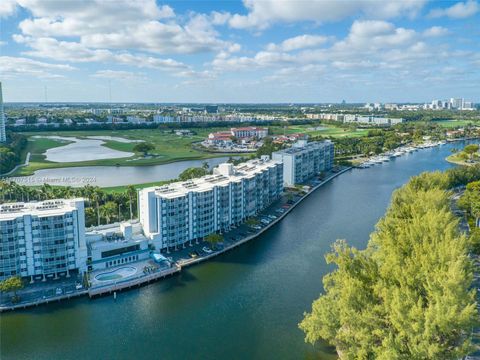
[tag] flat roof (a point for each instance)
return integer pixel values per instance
(56, 207)
(297, 148)
(206, 183)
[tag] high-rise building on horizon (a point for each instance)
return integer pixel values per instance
(3, 134)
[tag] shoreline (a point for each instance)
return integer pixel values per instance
(451, 158)
(176, 266)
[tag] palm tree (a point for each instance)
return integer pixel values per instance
(132, 193)
(97, 197)
(3, 190)
(109, 210)
(46, 191)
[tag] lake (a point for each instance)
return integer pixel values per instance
(83, 149)
(107, 176)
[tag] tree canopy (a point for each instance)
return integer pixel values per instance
(143, 147)
(214, 239)
(13, 283)
(408, 295)
(192, 173)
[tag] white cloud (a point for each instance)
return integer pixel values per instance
(20, 66)
(460, 10)
(435, 31)
(100, 13)
(122, 24)
(262, 13)
(375, 34)
(371, 47)
(298, 42)
(7, 7)
(76, 52)
(262, 59)
(119, 75)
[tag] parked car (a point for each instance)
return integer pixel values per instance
(207, 250)
(193, 254)
(78, 286)
(58, 291)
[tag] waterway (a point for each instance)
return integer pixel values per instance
(245, 304)
(107, 176)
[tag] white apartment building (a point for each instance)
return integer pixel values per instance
(304, 160)
(42, 239)
(370, 119)
(178, 213)
(163, 119)
(249, 132)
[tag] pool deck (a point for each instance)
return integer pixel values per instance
(181, 258)
(132, 281)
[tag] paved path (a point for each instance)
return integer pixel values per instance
(27, 161)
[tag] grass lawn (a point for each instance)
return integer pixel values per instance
(454, 159)
(168, 148)
(122, 188)
(453, 123)
(318, 130)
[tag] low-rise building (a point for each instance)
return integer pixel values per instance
(42, 239)
(116, 244)
(371, 119)
(304, 160)
(175, 214)
(249, 132)
(220, 139)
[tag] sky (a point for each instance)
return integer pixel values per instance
(250, 51)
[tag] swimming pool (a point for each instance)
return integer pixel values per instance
(116, 274)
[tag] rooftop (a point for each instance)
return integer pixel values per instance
(10, 211)
(113, 234)
(302, 145)
(222, 176)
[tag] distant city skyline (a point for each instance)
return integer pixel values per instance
(255, 51)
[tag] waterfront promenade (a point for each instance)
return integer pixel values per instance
(47, 293)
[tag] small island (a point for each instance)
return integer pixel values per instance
(468, 156)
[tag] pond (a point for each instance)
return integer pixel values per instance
(107, 176)
(82, 150)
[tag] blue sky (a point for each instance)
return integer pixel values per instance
(239, 51)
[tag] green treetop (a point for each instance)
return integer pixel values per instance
(408, 295)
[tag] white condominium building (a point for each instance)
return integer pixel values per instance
(175, 214)
(304, 160)
(249, 132)
(370, 119)
(42, 239)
